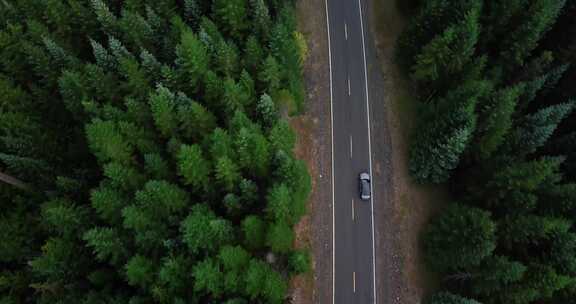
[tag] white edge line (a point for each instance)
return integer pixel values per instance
(370, 151)
(332, 156)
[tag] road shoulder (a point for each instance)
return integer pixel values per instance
(314, 146)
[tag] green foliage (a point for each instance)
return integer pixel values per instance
(163, 108)
(232, 14)
(208, 277)
(139, 271)
(106, 244)
(203, 231)
(300, 261)
(254, 230)
(280, 237)
(461, 237)
(449, 52)
(270, 75)
(147, 138)
(495, 274)
(537, 21)
(498, 120)
(193, 167)
(442, 137)
(107, 143)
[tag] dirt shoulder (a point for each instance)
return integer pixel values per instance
(408, 207)
(313, 146)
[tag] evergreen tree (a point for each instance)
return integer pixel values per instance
(270, 74)
(534, 130)
(461, 237)
(208, 278)
(443, 138)
(449, 52)
(139, 271)
(193, 57)
(280, 237)
(232, 14)
(203, 231)
(498, 120)
(538, 18)
(254, 230)
(193, 167)
(495, 274)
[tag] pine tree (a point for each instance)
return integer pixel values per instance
(280, 237)
(282, 137)
(208, 278)
(221, 144)
(461, 237)
(103, 58)
(64, 217)
(280, 204)
(227, 173)
(270, 74)
(534, 130)
(253, 54)
(226, 58)
(254, 230)
(195, 121)
(193, 57)
(529, 230)
(234, 258)
(232, 14)
(139, 271)
(495, 274)
(300, 261)
(193, 167)
(444, 135)
(538, 19)
(449, 51)
(174, 272)
(275, 288)
(106, 244)
(261, 17)
(498, 120)
(255, 278)
(163, 108)
(108, 201)
(203, 231)
(108, 21)
(107, 143)
(267, 110)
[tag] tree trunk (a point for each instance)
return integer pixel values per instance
(13, 181)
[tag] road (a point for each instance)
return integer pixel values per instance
(354, 278)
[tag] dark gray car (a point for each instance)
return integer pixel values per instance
(365, 186)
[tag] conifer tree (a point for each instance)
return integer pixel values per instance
(254, 230)
(495, 274)
(461, 237)
(232, 14)
(193, 167)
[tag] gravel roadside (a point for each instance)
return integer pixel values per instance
(314, 142)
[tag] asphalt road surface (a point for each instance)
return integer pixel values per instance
(353, 235)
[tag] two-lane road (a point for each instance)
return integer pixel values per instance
(354, 278)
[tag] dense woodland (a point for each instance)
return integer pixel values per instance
(496, 80)
(145, 155)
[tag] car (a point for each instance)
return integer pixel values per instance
(365, 186)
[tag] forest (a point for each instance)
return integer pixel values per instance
(145, 151)
(495, 82)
